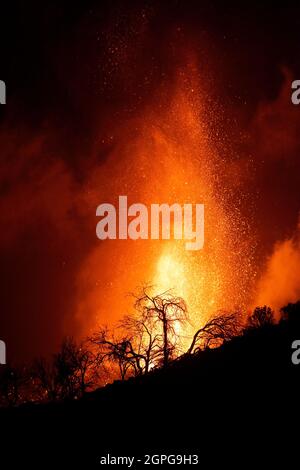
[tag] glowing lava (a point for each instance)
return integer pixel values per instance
(167, 155)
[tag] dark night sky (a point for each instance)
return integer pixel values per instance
(72, 71)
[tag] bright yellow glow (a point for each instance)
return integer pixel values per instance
(171, 272)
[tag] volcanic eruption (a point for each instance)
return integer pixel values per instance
(168, 155)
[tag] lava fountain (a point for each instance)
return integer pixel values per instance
(167, 155)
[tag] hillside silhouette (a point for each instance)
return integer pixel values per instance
(229, 404)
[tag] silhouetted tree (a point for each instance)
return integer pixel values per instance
(116, 349)
(68, 375)
(45, 380)
(12, 385)
(260, 317)
(216, 331)
(165, 313)
(145, 339)
(74, 365)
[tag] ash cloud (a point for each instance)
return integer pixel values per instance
(42, 230)
(275, 131)
(75, 77)
(280, 283)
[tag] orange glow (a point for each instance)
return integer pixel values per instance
(167, 155)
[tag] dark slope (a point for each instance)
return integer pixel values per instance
(236, 404)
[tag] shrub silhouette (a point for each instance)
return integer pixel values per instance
(261, 316)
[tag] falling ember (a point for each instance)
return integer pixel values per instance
(167, 155)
